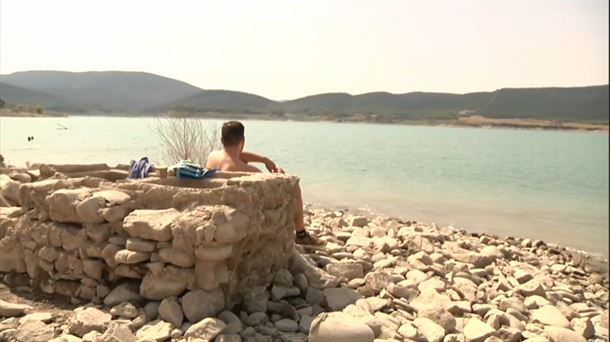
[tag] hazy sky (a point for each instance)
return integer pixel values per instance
(288, 49)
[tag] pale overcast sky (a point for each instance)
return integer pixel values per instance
(288, 49)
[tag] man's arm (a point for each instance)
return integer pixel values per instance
(248, 157)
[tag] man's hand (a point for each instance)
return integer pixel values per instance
(270, 165)
(248, 157)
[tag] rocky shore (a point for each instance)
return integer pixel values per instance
(377, 279)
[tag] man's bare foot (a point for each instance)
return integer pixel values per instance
(304, 239)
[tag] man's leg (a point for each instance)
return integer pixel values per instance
(299, 219)
(302, 237)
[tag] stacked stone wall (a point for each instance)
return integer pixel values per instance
(93, 239)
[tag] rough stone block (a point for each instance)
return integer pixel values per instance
(151, 224)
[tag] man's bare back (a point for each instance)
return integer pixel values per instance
(222, 161)
(232, 157)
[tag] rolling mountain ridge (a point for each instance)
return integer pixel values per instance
(145, 93)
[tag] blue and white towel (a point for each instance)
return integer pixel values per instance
(188, 169)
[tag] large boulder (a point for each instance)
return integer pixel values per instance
(151, 224)
(358, 221)
(10, 309)
(339, 327)
(171, 311)
(316, 277)
(558, 334)
(166, 282)
(477, 331)
(206, 329)
(112, 197)
(377, 280)
(125, 292)
(34, 331)
(62, 204)
(431, 331)
(198, 304)
(176, 257)
(154, 331)
(338, 298)
(9, 189)
(89, 210)
(440, 317)
(550, 315)
(12, 255)
(347, 270)
(87, 320)
(531, 288)
(466, 287)
(430, 299)
(139, 245)
(256, 299)
(477, 259)
(116, 332)
(126, 256)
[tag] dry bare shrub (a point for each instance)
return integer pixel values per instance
(186, 138)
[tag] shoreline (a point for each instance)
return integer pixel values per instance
(378, 278)
(599, 259)
(437, 219)
(463, 122)
(5, 112)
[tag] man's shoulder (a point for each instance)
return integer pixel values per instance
(214, 154)
(213, 159)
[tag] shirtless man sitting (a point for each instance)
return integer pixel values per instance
(233, 158)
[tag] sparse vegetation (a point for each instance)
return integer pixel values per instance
(186, 138)
(28, 109)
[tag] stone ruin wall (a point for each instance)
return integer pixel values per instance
(215, 239)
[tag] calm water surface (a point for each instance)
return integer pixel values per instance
(540, 184)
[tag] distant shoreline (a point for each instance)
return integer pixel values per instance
(5, 112)
(474, 121)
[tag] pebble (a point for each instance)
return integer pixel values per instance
(287, 325)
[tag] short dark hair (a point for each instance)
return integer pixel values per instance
(232, 133)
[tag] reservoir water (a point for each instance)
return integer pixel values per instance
(551, 185)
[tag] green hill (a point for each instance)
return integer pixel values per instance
(223, 101)
(109, 91)
(13, 96)
(145, 93)
(576, 103)
(581, 104)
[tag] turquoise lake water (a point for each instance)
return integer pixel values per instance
(551, 185)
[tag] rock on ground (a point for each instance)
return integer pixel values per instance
(10, 309)
(477, 331)
(171, 311)
(339, 327)
(339, 298)
(558, 334)
(206, 329)
(154, 331)
(88, 319)
(34, 331)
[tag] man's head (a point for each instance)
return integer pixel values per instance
(232, 134)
